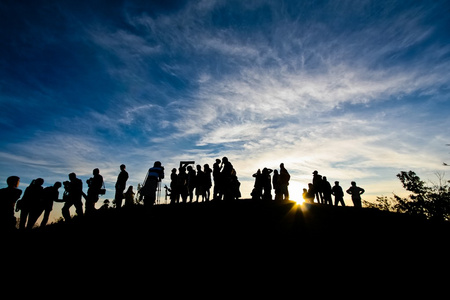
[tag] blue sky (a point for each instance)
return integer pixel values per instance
(358, 90)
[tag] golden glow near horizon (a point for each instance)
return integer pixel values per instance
(296, 192)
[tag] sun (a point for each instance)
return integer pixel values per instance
(299, 201)
(296, 193)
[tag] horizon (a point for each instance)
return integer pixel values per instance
(358, 90)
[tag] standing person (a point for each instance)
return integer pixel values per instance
(191, 182)
(226, 179)
(317, 184)
(30, 203)
(129, 197)
(235, 187)
(338, 194)
(50, 194)
(72, 196)
(121, 183)
(326, 190)
(207, 181)
(95, 183)
(305, 195)
(217, 194)
(276, 185)
(284, 182)
(174, 194)
(150, 186)
(258, 186)
(8, 199)
(356, 193)
(267, 185)
(182, 184)
(200, 184)
(310, 193)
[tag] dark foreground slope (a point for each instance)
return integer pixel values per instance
(225, 244)
(225, 248)
(238, 226)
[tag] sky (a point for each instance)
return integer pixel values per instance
(358, 90)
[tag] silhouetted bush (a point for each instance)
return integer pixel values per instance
(432, 202)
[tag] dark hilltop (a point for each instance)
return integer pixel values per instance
(236, 226)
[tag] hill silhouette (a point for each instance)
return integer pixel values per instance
(244, 223)
(225, 246)
(223, 243)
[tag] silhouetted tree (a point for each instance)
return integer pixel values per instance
(432, 202)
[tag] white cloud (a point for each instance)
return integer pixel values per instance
(230, 133)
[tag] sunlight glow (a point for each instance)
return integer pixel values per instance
(296, 192)
(299, 201)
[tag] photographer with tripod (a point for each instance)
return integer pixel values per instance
(151, 182)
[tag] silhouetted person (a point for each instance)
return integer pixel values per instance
(121, 183)
(8, 199)
(129, 196)
(276, 185)
(317, 184)
(326, 190)
(356, 193)
(105, 205)
(191, 182)
(258, 186)
(174, 193)
(95, 183)
(217, 194)
(207, 184)
(182, 184)
(305, 195)
(73, 191)
(226, 178)
(235, 187)
(338, 194)
(284, 182)
(50, 195)
(31, 203)
(267, 184)
(200, 184)
(310, 193)
(150, 186)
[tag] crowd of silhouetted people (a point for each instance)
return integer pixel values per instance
(185, 180)
(187, 185)
(321, 190)
(262, 190)
(37, 200)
